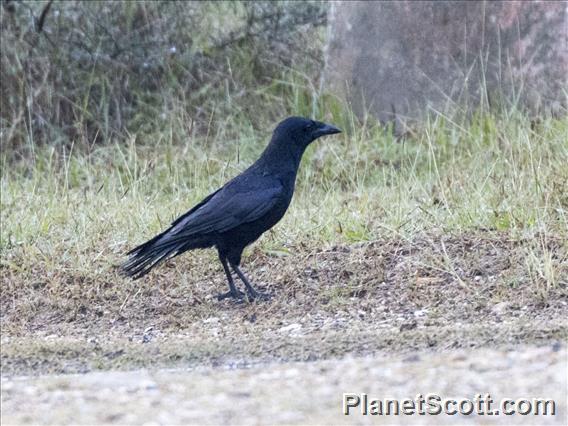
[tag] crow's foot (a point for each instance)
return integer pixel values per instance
(257, 295)
(237, 295)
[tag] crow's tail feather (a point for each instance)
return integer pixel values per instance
(153, 252)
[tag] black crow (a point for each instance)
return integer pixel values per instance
(241, 211)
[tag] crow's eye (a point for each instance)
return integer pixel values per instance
(311, 125)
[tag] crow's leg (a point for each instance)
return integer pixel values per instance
(253, 294)
(233, 292)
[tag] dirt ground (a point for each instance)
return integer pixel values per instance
(452, 314)
(293, 393)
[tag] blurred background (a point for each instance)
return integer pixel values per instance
(91, 72)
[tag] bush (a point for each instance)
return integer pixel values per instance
(86, 72)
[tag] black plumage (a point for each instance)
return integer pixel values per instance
(241, 211)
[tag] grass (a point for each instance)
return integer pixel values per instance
(455, 217)
(494, 172)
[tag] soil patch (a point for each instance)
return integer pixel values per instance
(434, 292)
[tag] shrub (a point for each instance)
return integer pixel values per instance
(84, 72)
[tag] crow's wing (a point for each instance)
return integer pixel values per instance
(194, 208)
(227, 209)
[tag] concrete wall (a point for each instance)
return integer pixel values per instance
(412, 56)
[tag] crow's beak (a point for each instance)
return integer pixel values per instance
(326, 129)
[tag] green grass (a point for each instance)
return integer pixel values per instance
(492, 171)
(462, 219)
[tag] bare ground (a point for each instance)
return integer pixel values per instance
(433, 292)
(294, 393)
(430, 303)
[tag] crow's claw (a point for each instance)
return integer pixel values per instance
(257, 295)
(238, 295)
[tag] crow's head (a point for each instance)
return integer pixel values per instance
(303, 131)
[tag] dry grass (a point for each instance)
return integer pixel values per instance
(453, 236)
(433, 292)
